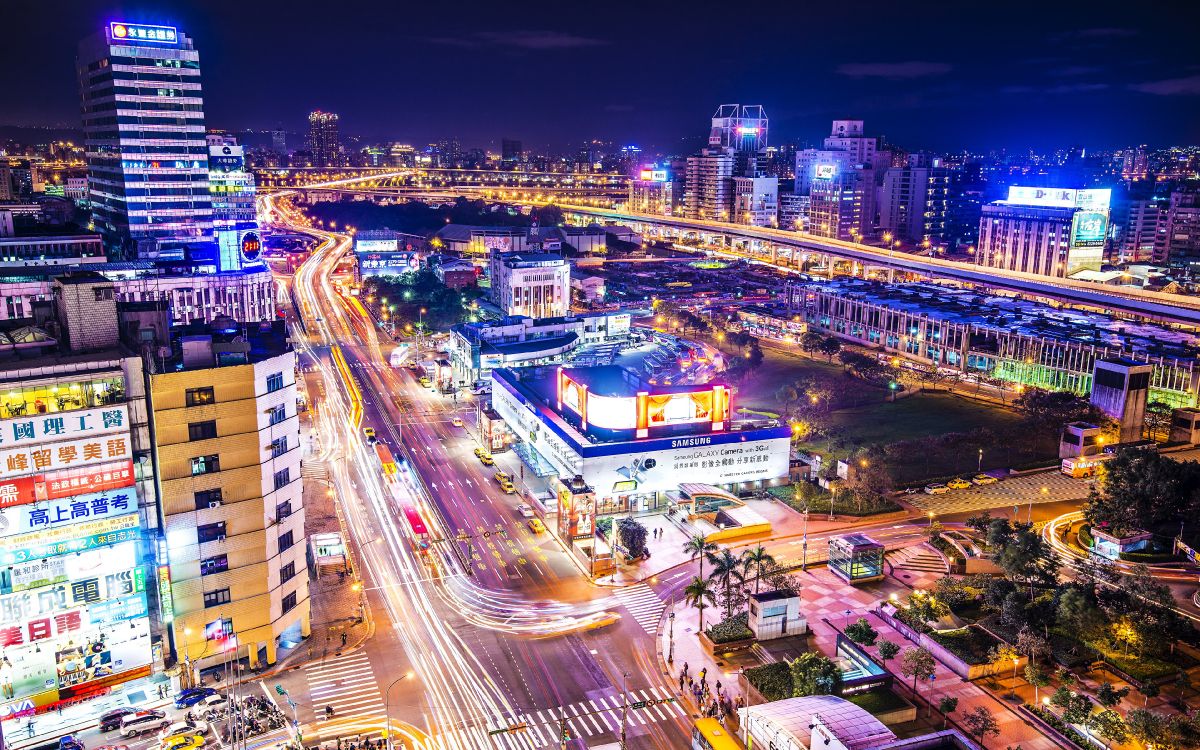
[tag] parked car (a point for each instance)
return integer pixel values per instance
(111, 719)
(143, 722)
(937, 488)
(479, 452)
(502, 477)
(508, 488)
(487, 460)
(179, 728)
(958, 483)
(191, 696)
(525, 510)
(70, 742)
(984, 479)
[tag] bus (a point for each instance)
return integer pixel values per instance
(710, 734)
(420, 531)
(386, 461)
(1081, 467)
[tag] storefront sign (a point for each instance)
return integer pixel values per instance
(64, 455)
(24, 608)
(44, 427)
(52, 570)
(48, 544)
(53, 514)
(166, 603)
(99, 479)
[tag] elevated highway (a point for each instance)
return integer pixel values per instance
(784, 248)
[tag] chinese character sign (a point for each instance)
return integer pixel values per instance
(40, 428)
(52, 514)
(45, 457)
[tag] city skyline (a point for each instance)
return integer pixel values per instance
(923, 79)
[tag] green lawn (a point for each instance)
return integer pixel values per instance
(878, 701)
(915, 416)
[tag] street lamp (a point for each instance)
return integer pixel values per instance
(671, 631)
(387, 705)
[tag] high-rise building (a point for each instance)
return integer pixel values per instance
(912, 202)
(841, 202)
(793, 211)
(846, 137)
(534, 284)
(1143, 219)
(653, 191)
(323, 141)
(756, 201)
(235, 216)
(227, 439)
(143, 119)
(279, 142)
(743, 129)
(1179, 242)
(1135, 164)
(510, 151)
(1049, 231)
(708, 185)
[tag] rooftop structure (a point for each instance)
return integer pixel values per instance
(823, 718)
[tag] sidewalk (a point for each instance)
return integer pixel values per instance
(825, 601)
(49, 726)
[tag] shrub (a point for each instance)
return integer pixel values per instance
(972, 645)
(735, 628)
(1060, 726)
(773, 680)
(1085, 537)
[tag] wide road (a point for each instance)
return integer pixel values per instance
(511, 642)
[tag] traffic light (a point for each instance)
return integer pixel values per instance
(279, 689)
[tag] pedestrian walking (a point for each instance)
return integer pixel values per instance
(681, 679)
(718, 686)
(685, 667)
(343, 638)
(29, 728)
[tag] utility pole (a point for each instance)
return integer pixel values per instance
(624, 706)
(804, 543)
(562, 728)
(671, 619)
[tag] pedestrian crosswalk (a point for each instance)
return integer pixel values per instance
(643, 604)
(314, 470)
(346, 684)
(587, 720)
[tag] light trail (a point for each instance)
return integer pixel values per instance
(463, 700)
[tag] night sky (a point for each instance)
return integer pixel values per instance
(936, 75)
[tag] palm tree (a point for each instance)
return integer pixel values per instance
(698, 546)
(757, 558)
(727, 569)
(699, 595)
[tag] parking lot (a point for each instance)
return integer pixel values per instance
(1019, 491)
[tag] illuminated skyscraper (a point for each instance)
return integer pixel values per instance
(323, 139)
(143, 119)
(743, 129)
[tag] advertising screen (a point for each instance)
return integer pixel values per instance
(376, 246)
(51, 456)
(1037, 196)
(75, 538)
(499, 244)
(825, 171)
(80, 566)
(140, 32)
(1089, 229)
(612, 412)
(679, 408)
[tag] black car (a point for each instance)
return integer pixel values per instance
(110, 720)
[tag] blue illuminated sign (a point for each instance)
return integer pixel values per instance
(136, 32)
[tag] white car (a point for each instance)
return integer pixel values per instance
(937, 488)
(183, 728)
(456, 422)
(525, 510)
(210, 704)
(141, 723)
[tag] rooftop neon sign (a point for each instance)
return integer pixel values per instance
(136, 32)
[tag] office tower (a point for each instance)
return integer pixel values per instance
(1179, 242)
(235, 216)
(708, 185)
(510, 151)
(534, 284)
(279, 142)
(1143, 219)
(846, 137)
(653, 191)
(756, 201)
(1049, 231)
(793, 211)
(323, 140)
(841, 199)
(743, 129)
(1135, 164)
(227, 438)
(912, 202)
(143, 119)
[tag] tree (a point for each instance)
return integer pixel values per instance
(1158, 419)
(918, 664)
(1079, 613)
(945, 707)
(1108, 696)
(1037, 677)
(934, 530)
(810, 341)
(887, 650)
(1149, 690)
(869, 481)
(814, 674)
(1047, 411)
(632, 536)
(829, 346)
(1032, 644)
(699, 595)
(861, 632)
(1109, 725)
(727, 570)
(699, 547)
(1023, 556)
(979, 723)
(1144, 489)
(1145, 726)
(757, 558)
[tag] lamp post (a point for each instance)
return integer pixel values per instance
(804, 542)
(979, 466)
(387, 706)
(671, 636)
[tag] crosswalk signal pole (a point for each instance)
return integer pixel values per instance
(562, 728)
(624, 706)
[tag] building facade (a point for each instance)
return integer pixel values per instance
(756, 201)
(1047, 231)
(1144, 220)
(537, 285)
(323, 142)
(841, 202)
(55, 250)
(913, 201)
(708, 185)
(653, 191)
(143, 118)
(1179, 242)
(227, 438)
